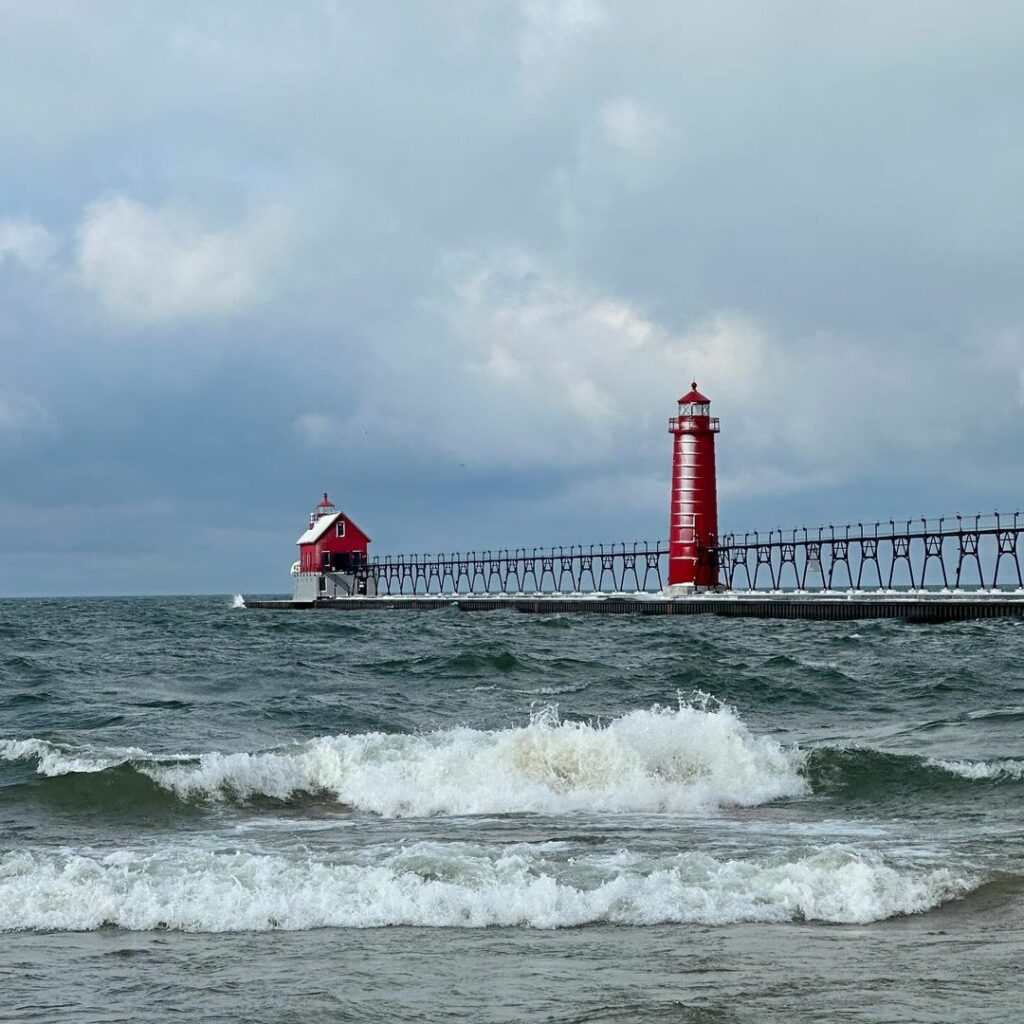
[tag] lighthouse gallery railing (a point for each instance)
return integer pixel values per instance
(963, 552)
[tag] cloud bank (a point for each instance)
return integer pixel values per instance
(455, 263)
(152, 265)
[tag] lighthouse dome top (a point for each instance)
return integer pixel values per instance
(694, 397)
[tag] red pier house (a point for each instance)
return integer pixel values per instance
(693, 522)
(331, 553)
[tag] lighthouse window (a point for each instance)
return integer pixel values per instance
(340, 528)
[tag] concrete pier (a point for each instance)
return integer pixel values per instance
(914, 606)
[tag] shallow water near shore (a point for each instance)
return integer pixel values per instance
(219, 814)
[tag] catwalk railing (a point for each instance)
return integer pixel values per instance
(954, 552)
(592, 568)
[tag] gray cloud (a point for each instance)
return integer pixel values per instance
(456, 262)
(153, 265)
(27, 242)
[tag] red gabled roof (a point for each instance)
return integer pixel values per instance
(323, 524)
(693, 395)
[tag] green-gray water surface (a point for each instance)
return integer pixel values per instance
(214, 814)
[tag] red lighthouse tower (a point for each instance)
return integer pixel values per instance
(693, 522)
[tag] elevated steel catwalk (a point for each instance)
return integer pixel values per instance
(973, 552)
(944, 569)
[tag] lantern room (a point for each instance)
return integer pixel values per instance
(693, 405)
(332, 542)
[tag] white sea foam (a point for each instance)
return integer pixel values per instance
(664, 759)
(454, 885)
(238, 601)
(60, 759)
(996, 770)
(66, 759)
(555, 691)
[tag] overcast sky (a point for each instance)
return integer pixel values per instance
(456, 261)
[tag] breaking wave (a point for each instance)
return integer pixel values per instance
(688, 758)
(998, 771)
(53, 759)
(455, 885)
(855, 772)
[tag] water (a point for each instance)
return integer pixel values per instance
(214, 814)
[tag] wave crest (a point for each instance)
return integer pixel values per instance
(53, 759)
(856, 772)
(688, 758)
(696, 757)
(454, 885)
(663, 759)
(998, 771)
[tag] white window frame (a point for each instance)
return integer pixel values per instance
(339, 528)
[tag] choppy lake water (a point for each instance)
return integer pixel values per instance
(214, 814)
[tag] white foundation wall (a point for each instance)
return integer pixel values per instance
(310, 586)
